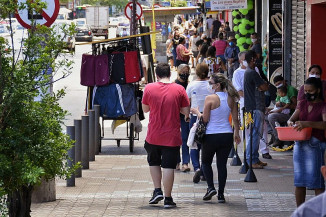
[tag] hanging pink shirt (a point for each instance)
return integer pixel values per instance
(220, 46)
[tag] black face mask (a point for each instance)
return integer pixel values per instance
(311, 97)
(184, 77)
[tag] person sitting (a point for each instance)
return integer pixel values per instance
(307, 155)
(278, 117)
(283, 105)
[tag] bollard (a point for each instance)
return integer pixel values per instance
(85, 140)
(78, 148)
(250, 177)
(91, 132)
(97, 129)
(71, 154)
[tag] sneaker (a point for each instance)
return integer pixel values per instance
(277, 144)
(209, 194)
(196, 177)
(221, 198)
(267, 156)
(262, 163)
(169, 203)
(177, 167)
(185, 168)
(157, 197)
(202, 178)
(257, 166)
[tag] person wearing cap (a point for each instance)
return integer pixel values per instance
(278, 116)
(231, 56)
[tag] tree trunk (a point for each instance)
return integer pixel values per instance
(19, 202)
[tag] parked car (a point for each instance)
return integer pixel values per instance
(84, 34)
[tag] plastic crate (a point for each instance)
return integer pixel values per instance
(291, 134)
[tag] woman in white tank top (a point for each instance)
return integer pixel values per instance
(219, 134)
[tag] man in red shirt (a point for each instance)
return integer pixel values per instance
(165, 101)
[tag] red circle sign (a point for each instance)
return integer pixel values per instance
(46, 17)
(128, 10)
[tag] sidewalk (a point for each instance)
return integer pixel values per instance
(119, 184)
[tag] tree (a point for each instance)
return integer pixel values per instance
(120, 4)
(32, 145)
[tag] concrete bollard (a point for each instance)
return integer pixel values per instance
(91, 131)
(85, 140)
(78, 149)
(97, 129)
(71, 154)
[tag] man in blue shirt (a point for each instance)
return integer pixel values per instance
(315, 206)
(231, 56)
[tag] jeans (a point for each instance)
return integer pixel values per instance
(257, 133)
(222, 57)
(277, 117)
(219, 144)
(184, 135)
(174, 52)
(194, 153)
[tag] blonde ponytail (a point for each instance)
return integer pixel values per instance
(227, 85)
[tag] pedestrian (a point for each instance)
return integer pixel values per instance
(187, 37)
(202, 52)
(182, 79)
(256, 46)
(220, 46)
(197, 91)
(254, 102)
(315, 71)
(215, 27)
(183, 54)
(308, 154)
(219, 134)
(279, 117)
(316, 205)
(209, 25)
(215, 64)
(163, 138)
(231, 56)
(227, 26)
(174, 44)
(194, 49)
(169, 51)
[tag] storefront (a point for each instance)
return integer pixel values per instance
(316, 32)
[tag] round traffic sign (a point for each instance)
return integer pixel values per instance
(45, 17)
(128, 10)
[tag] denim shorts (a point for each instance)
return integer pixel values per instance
(308, 157)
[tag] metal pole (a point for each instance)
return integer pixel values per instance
(133, 18)
(78, 148)
(97, 129)
(71, 154)
(244, 166)
(91, 138)
(85, 140)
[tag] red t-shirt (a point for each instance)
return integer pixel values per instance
(164, 101)
(220, 46)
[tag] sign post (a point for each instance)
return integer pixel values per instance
(45, 17)
(128, 10)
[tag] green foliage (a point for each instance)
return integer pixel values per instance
(178, 3)
(120, 4)
(32, 144)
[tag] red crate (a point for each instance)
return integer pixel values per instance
(291, 134)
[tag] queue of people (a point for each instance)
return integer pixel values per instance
(225, 77)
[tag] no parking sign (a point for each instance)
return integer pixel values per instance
(46, 16)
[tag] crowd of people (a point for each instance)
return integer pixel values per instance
(226, 77)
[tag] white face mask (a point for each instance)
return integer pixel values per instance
(210, 89)
(281, 85)
(244, 63)
(253, 40)
(314, 76)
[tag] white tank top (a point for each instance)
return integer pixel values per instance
(219, 118)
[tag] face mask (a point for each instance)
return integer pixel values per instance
(314, 76)
(184, 77)
(210, 89)
(231, 43)
(311, 97)
(279, 85)
(253, 40)
(245, 63)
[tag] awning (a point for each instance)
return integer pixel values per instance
(167, 13)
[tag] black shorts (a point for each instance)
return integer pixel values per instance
(163, 156)
(195, 53)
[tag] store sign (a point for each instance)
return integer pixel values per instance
(275, 47)
(218, 5)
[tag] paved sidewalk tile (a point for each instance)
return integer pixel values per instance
(119, 184)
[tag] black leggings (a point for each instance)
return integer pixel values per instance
(220, 144)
